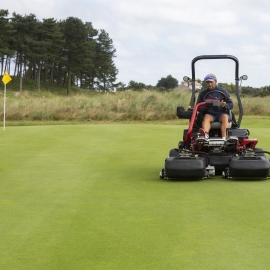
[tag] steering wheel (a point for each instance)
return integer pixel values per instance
(208, 95)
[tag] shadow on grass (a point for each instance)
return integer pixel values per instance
(217, 178)
(182, 180)
(150, 174)
(154, 176)
(245, 180)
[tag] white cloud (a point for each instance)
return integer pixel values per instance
(177, 12)
(230, 30)
(265, 38)
(189, 39)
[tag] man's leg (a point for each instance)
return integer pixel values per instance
(206, 124)
(224, 120)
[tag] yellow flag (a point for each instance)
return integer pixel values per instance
(6, 78)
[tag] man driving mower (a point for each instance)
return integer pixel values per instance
(214, 91)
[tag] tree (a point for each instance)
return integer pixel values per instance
(74, 53)
(88, 70)
(6, 36)
(136, 85)
(230, 87)
(52, 35)
(39, 52)
(168, 83)
(25, 28)
(105, 68)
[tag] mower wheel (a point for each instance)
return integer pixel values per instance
(257, 150)
(173, 153)
(162, 174)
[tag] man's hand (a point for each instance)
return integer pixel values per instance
(222, 103)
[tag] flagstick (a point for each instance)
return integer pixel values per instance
(6, 79)
(5, 107)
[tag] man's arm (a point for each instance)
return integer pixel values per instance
(229, 102)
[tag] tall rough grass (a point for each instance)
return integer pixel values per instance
(120, 106)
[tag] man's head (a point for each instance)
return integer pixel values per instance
(211, 81)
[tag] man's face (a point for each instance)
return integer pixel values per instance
(211, 84)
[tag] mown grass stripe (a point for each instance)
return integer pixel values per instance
(89, 197)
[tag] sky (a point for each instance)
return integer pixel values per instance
(157, 38)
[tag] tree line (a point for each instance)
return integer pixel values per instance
(248, 90)
(63, 53)
(169, 83)
(164, 84)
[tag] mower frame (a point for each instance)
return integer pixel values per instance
(198, 157)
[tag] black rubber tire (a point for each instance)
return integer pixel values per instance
(256, 150)
(173, 153)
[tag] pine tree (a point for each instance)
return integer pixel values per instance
(6, 35)
(75, 50)
(54, 37)
(87, 70)
(105, 69)
(25, 28)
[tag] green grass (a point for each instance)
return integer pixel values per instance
(90, 197)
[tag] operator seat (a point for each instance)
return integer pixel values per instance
(214, 125)
(217, 125)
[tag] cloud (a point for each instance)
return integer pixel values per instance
(230, 30)
(265, 38)
(176, 12)
(189, 39)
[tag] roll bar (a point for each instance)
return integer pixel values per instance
(207, 57)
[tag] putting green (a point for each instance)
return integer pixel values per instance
(90, 197)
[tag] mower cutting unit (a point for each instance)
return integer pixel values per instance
(196, 157)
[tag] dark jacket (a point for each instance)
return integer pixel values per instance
(215, 94)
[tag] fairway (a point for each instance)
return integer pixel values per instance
(90, 197)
